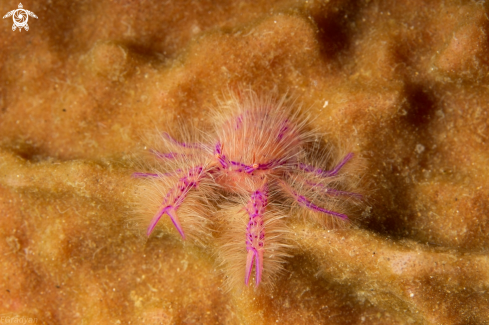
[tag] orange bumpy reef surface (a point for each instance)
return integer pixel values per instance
(404, 83)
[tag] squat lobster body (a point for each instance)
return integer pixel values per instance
(261, 148)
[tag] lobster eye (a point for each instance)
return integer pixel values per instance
(255, 166)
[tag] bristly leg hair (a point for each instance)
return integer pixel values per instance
(164, 164)
(234, 186)
(232, 253)
(342, 193)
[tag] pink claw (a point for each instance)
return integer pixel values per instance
(249, 265)
(173, 216)
(257, 257)
(155, 220)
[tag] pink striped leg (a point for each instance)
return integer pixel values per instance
(175, 197)
(304, 202)
(325, 173)
(324, 189)
(255, 233)
(184, 144)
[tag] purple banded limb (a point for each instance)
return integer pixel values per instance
(305, 202)
(325, 173)
(255, 233)
(175, 197)
(220, 157)
(241, 167)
